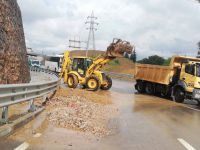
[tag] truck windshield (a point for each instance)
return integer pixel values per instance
(35, 62)
(198, 70)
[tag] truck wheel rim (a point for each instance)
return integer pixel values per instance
(106, 84)
(70, 81)
(92, 83)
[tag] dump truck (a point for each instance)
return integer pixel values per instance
(180, 80)
(86, 71)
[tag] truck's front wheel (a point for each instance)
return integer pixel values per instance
(179, 95)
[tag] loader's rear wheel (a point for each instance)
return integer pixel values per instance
(108, 84)
(93, 83)
(72, 81)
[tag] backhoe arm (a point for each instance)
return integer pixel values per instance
(98, 64)
(66, 64)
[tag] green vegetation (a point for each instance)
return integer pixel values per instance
(132, 57)
(167, 62)
(114, 62)
(155, 60)
(126, 55)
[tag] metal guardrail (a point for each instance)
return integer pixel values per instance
(120, 75)
(36, 69)
(17, 93)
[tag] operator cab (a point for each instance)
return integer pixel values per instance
(81, 64)
(192, 68)
(190, 74)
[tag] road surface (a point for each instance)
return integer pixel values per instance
(144, 123)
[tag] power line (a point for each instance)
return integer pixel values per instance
(76, 43)
(92, 23)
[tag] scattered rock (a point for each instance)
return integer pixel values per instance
(78, 113)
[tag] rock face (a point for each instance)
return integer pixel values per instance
(13, 56)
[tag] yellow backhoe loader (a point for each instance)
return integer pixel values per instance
(87, 71)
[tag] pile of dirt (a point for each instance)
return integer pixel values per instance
(101, 97)
(75, 112)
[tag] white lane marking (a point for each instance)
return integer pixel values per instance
(23, 146)
(37, 135)
(192, 108)
(186, 144)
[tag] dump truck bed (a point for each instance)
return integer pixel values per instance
(154, 73)
(160, 74)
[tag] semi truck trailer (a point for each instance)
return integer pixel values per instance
(179, 81)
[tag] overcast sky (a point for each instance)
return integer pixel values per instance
(162, 27)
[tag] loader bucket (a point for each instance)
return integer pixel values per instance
(118, 48)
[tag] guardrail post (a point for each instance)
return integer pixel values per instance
(44, 99)
(31, 106)
(4, 116)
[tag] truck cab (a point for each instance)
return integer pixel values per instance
(190, 79)
(34, 63)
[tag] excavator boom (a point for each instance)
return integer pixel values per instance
(116, 49)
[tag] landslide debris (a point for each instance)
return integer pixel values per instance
(75, 112)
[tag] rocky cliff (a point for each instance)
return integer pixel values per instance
(13, 56)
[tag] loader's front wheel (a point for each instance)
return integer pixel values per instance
(72, 81)
(108, 84)
(93, 83)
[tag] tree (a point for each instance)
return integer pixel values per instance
(198, 54)
(155, 60)
(133, 57)
(126, 55)
(167, 62)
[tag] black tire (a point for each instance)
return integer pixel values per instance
(179, 95)
(93, 83)
(72, 81)
(163, 91)
(140, 86)
(149, 88)
(108, 85)
(84, 86)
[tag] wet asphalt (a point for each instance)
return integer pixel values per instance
(144, 123)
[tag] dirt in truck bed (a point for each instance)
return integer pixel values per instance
(80, 110)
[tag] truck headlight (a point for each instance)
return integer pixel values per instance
(196, 94)
(170, 79)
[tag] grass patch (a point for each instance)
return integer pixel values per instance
(114, 63)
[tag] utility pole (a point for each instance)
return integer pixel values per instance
(198, 54)
(91, 21)
(76, 43)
